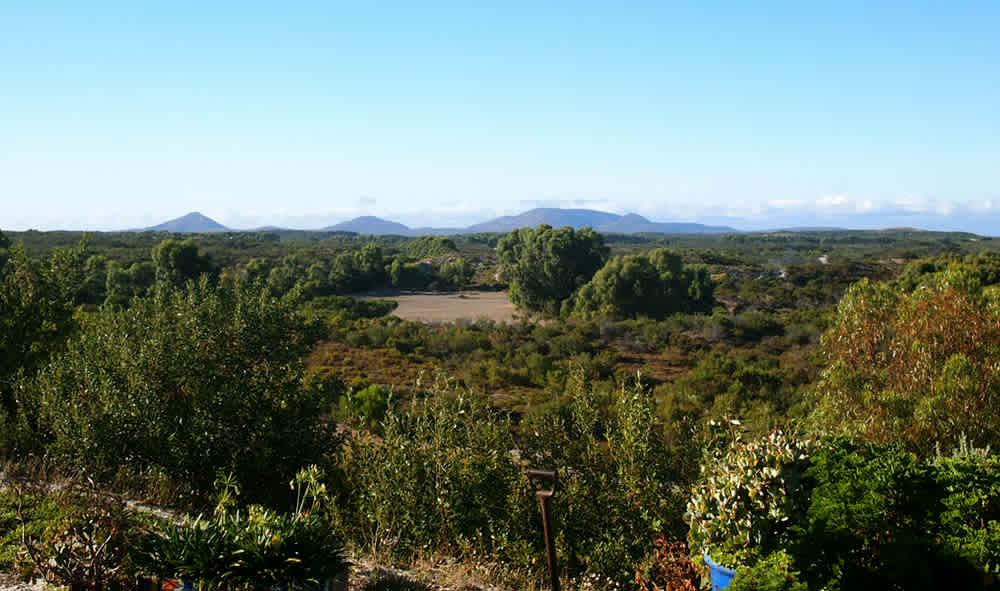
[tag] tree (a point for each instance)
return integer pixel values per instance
(915, 366)
(455, 273)
(544, 267)
(124, 284)
(37, 302)
(177, 262)
(654, 284)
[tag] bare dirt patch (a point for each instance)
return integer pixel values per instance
(468, 305)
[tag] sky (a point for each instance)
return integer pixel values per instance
(117, 115)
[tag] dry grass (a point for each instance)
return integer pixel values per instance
(468, 305)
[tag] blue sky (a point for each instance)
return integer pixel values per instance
(118, 115)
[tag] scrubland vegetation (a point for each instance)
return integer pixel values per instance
(817, 410)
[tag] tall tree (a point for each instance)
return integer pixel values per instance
(544, 267)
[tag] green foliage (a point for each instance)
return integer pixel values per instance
(182, 385)
(879, 517)
(177, 262)
(368, 404)
(338, 308)
(762, 392)
(28, 513)
(122, 284)
(981, 268)
(654, 284)
(544, 267)
(859, 517)
(455, 273)
(37, 302)
(774, 572)
(918, 367)
(441, 477)
(747, 497)
(430, 247)
(618, 475)
(244, 549)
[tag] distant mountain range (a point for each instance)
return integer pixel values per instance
(369, 224)
(602, 221)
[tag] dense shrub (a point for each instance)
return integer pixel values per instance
(654, 285)
(448, 475)
(849, 516)
(748, 497)
(184, 385)
(441, 477)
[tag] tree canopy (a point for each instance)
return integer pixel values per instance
(544, 267)
(37, 301)
(918, 366)
(177, 262)
(654, 284)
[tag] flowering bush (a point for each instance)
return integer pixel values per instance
(746, 497)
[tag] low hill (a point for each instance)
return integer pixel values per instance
(368, 224)
(636, 224)
(557, 218)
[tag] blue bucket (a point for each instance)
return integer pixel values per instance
(721, 576)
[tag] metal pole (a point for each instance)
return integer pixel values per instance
(545, 499)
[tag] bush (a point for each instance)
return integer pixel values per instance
(255, 547)
(860, 516)
(748, 497)
(772, 573)
(87, 542)
(184, 385)
(368, 404)
(669, 569)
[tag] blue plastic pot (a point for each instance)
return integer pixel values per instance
(721, 576)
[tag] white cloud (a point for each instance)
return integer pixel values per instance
(832, 201)
(946, 208)
(788, 203)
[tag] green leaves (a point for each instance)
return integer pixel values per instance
(654, 284)
(187, 383)
(546, 266)
(253, 547)
(918, 367)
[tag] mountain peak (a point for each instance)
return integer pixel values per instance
(191, 222)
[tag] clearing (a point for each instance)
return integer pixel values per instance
(449, 307)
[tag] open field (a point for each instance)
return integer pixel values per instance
(469, 305)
